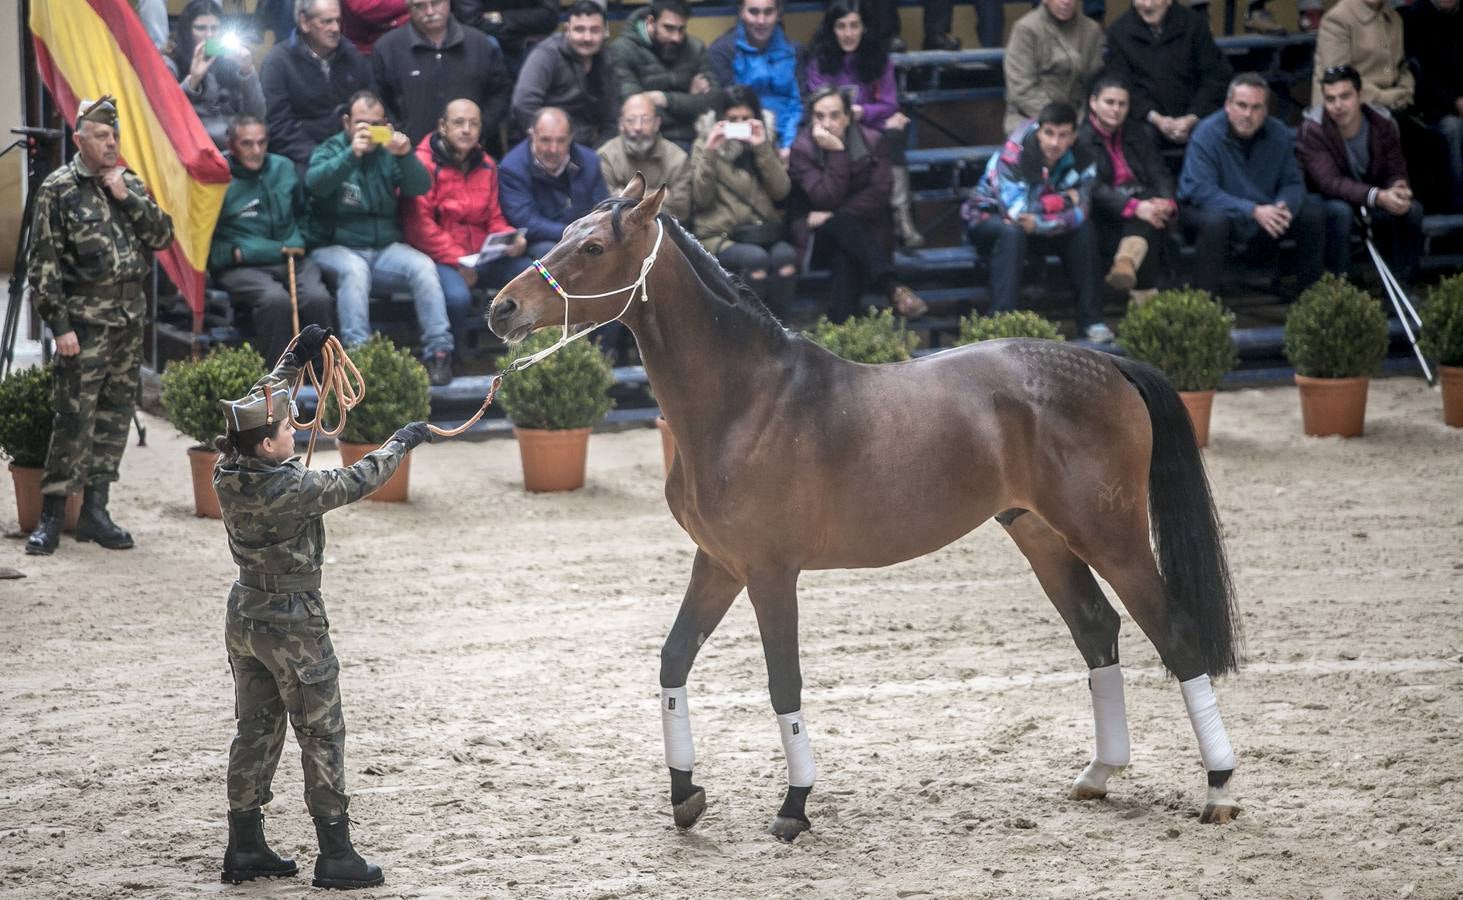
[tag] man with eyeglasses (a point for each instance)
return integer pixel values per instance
(1352, 156)
(757, 52)
(640, 147)
(306, 78)
(432, 60)
(549, 180)
(655, 56)
(571, 71)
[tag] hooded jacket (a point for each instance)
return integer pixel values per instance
(261, 215)
(353, 200)
(641, 69)
(725, 194)
(771, 71)
(553, 76)
(1017, 182)
(1327, 165)
(462, 208)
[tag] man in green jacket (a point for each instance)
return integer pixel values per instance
(655, 56)
(355, 182)
(259, 223)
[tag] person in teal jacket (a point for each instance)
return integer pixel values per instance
(355, 183)
(259, 222)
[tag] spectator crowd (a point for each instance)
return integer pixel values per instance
(436, 147)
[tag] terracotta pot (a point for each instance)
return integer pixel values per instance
(1199, 404)
(1451, 378)
(205, 499)
(396, 488)
(667, 442)
(1333, 405)
(553, 460)
(28, 499)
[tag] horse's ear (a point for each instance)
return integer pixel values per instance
(649, 206)
(636, 188)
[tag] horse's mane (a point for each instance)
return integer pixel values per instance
(723, 285)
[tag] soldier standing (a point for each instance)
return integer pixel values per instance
(276, 630)
(94, 224)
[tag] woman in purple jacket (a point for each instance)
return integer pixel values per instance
(848, 56)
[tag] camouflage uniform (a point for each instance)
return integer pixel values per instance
(276, 631)
(88, 259)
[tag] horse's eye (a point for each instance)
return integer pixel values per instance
(593, 249)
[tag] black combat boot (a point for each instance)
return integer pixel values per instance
(44, 540)
(339, 865)
(248, 856)
(95, 524)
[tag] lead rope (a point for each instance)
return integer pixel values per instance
(342, 379)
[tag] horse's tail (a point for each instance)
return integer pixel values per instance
(1185, 525)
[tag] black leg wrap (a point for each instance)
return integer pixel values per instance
(688, 801)
(1220, 777)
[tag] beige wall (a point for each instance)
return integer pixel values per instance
(12, 167)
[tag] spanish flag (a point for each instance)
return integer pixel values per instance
(87, 48)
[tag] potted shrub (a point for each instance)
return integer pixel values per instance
(397, 392)
(877, 337)
(553, 404)
(26, 417)
(1442, 342)
(1018, 323)
(1335, 337)
(1186, 334)
(191, 391)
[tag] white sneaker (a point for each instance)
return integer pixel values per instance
(1099, 334)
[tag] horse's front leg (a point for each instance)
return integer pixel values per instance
(708, 596)
(774, 597)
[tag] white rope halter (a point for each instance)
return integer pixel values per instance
(524, 362)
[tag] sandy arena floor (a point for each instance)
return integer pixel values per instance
(500, 684)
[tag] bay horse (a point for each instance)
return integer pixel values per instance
(791, 458)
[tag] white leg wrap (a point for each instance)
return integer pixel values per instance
(799, 749)
(1109, 715)
(1214, 746)
(675, 723)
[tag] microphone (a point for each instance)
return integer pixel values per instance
(49, 134)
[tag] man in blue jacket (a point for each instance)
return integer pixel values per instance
(355, 182)
(548, 181)
(1241, 191)
(758, 53)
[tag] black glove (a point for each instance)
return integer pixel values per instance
(308, 344)
(413, 434)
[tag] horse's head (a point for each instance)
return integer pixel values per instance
(601, 253)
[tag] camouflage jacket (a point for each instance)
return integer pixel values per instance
(82, 235)
(273, 511)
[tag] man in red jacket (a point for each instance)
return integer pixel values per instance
(450, 222)
(1352, 157)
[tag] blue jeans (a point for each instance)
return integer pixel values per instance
(491, 275)
(1397, 238)
(1004, 245)
(396, 267)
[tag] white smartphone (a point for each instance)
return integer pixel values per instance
(738, 131)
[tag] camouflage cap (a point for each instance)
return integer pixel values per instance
(257, 410)
(102, 111)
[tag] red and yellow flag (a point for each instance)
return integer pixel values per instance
(87, 48)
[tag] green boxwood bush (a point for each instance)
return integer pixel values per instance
(1016, 323)
(1335, 330)
(1185, 333)
(566, 389)
(192, 389)
(397, 392)
(877, 337)
(1442, 322)
(26, 415)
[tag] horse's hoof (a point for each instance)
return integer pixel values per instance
(1082, 791)
(1092, 783)
(787, 829)
(689, 809)
(1219, 813)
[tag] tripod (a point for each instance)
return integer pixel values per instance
(1406, 313)
(35, 141)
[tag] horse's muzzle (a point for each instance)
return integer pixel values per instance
(507, 320)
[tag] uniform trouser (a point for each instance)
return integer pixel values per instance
(1004, 244)
(265, 291)
(94, 395)
(1220, 237)
(286, 669)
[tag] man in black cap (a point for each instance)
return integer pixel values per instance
(94, 225)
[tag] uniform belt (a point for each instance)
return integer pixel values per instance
(122, 290)
(280, 584)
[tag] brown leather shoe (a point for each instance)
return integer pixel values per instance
(1123, 275)
(907, 303)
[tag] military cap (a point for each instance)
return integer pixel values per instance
(102, 111)
(258, 409)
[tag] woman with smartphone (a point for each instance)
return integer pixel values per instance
(215, 69)
(847, 55)
(737, 184)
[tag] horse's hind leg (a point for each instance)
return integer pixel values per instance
(1094, 624)
(774, 597)
(708, 596)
